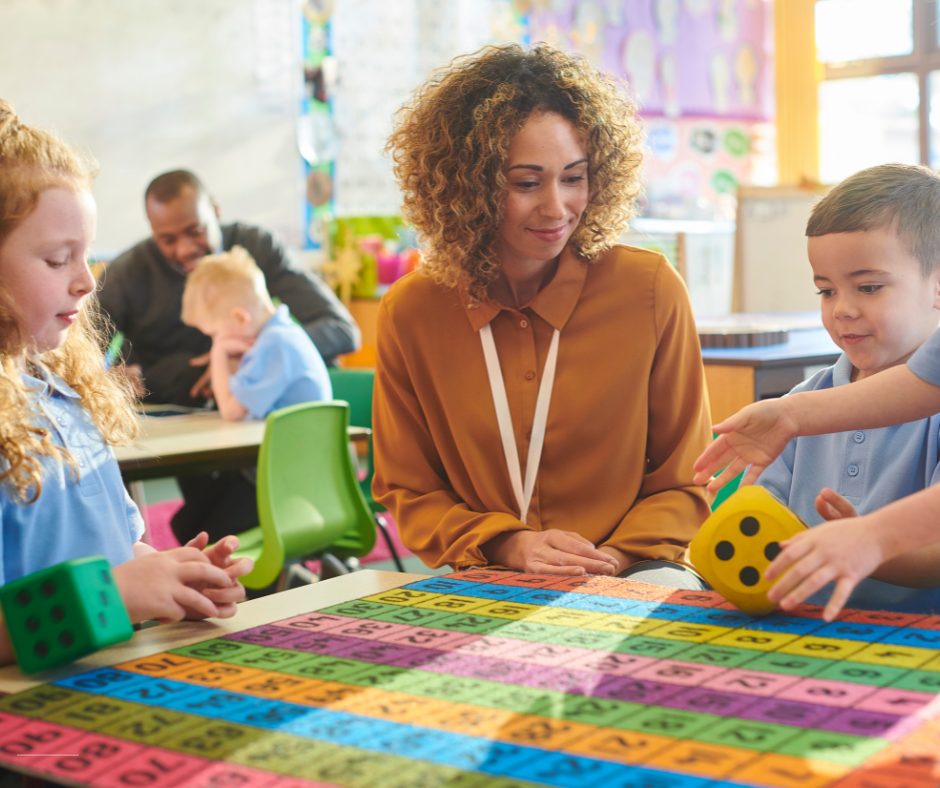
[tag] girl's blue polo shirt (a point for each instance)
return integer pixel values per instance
(870, 468)
(72, 518)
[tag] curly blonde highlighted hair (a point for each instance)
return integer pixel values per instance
(451, 139)
(31, 161)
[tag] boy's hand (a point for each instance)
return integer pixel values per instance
(166, 586)
(832, 506)
(754, 436)
(233, 344)
(836, 551)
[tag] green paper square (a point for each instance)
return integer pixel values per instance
(41, 701)
(676, 723)
(213, 739)
(651, 647)
(747, 734)
(359, 608)
(917, 680)
(789, 664)
(94, 712)
(217, 650)
(413, 616)
(725, 656)
(842, 748)
(467, 622)
(864, 673)
(325, 667)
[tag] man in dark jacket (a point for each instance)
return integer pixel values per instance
(142, 293)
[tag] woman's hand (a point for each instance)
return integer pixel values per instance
(175, 584)
(838, 551)
(754, 436)
(549, 552)
(832, 506)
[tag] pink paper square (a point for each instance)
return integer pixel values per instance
(673, 671)
(895, 701)
(155, 767)
(315, 622)
(550, 654)
(490, 646)
(842, 694)
(609, 663)
(370, 630)
(751, 682)
(229, 775)
(89, 755)
(21, 744)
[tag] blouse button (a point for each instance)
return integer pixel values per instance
(859, 437)
(853, 469)
(529, 375)
(523, 324)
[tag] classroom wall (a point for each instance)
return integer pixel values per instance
(153, 85)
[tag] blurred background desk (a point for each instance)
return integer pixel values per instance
(191, 444)
(738, 376)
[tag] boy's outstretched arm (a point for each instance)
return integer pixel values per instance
(847, 550)
(758, 433)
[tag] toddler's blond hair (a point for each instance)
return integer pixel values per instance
(222, 282)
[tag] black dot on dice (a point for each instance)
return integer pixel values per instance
(772, 551)
(58, 613)
(724, 551)
(41, 648)
(32, 623)
(66, 639)
(102, 620)
(106, 577)
(749, 576)
(105, 599)
(48, 588)
(750, 526)
(24, 597)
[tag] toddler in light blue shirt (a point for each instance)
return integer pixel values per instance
(260, 360)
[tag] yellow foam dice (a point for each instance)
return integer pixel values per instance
(736, 544)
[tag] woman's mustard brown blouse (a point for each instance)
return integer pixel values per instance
(628, 416)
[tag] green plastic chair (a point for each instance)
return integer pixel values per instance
(309, 501)
(355, 387)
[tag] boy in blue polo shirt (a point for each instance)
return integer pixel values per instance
(872, 246)
(260, 359)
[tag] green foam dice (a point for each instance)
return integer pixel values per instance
(63, 613)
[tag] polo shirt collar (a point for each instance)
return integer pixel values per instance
(842, 371)
(48, 381)
(554, 303)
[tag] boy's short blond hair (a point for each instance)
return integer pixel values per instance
(901, 197)
(222, 282)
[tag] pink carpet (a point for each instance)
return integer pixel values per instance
(162, 538)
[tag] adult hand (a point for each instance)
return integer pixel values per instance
(836, 551)
(203, 386)
(754, 436)
(551, 552)
(168, 586)
(133, 374)
(832, 506)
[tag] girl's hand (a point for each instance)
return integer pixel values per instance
(754, 436)
(838, 551)
(220, 555)
(832, 506)
(550, 552)
(168, 586)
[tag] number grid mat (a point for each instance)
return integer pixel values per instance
(486, 678)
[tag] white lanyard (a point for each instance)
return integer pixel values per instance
(504, 418)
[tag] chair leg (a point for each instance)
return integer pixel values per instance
(331, 566)
(383, 529)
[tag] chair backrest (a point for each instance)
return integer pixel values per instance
(308, 496)
(355, 386)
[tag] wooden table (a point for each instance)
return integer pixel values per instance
(250, 614)
(738, 376)
(193, 444)
(196, 443)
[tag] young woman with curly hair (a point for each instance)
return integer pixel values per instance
(539, 393)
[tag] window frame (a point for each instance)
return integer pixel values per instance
(924, 58)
